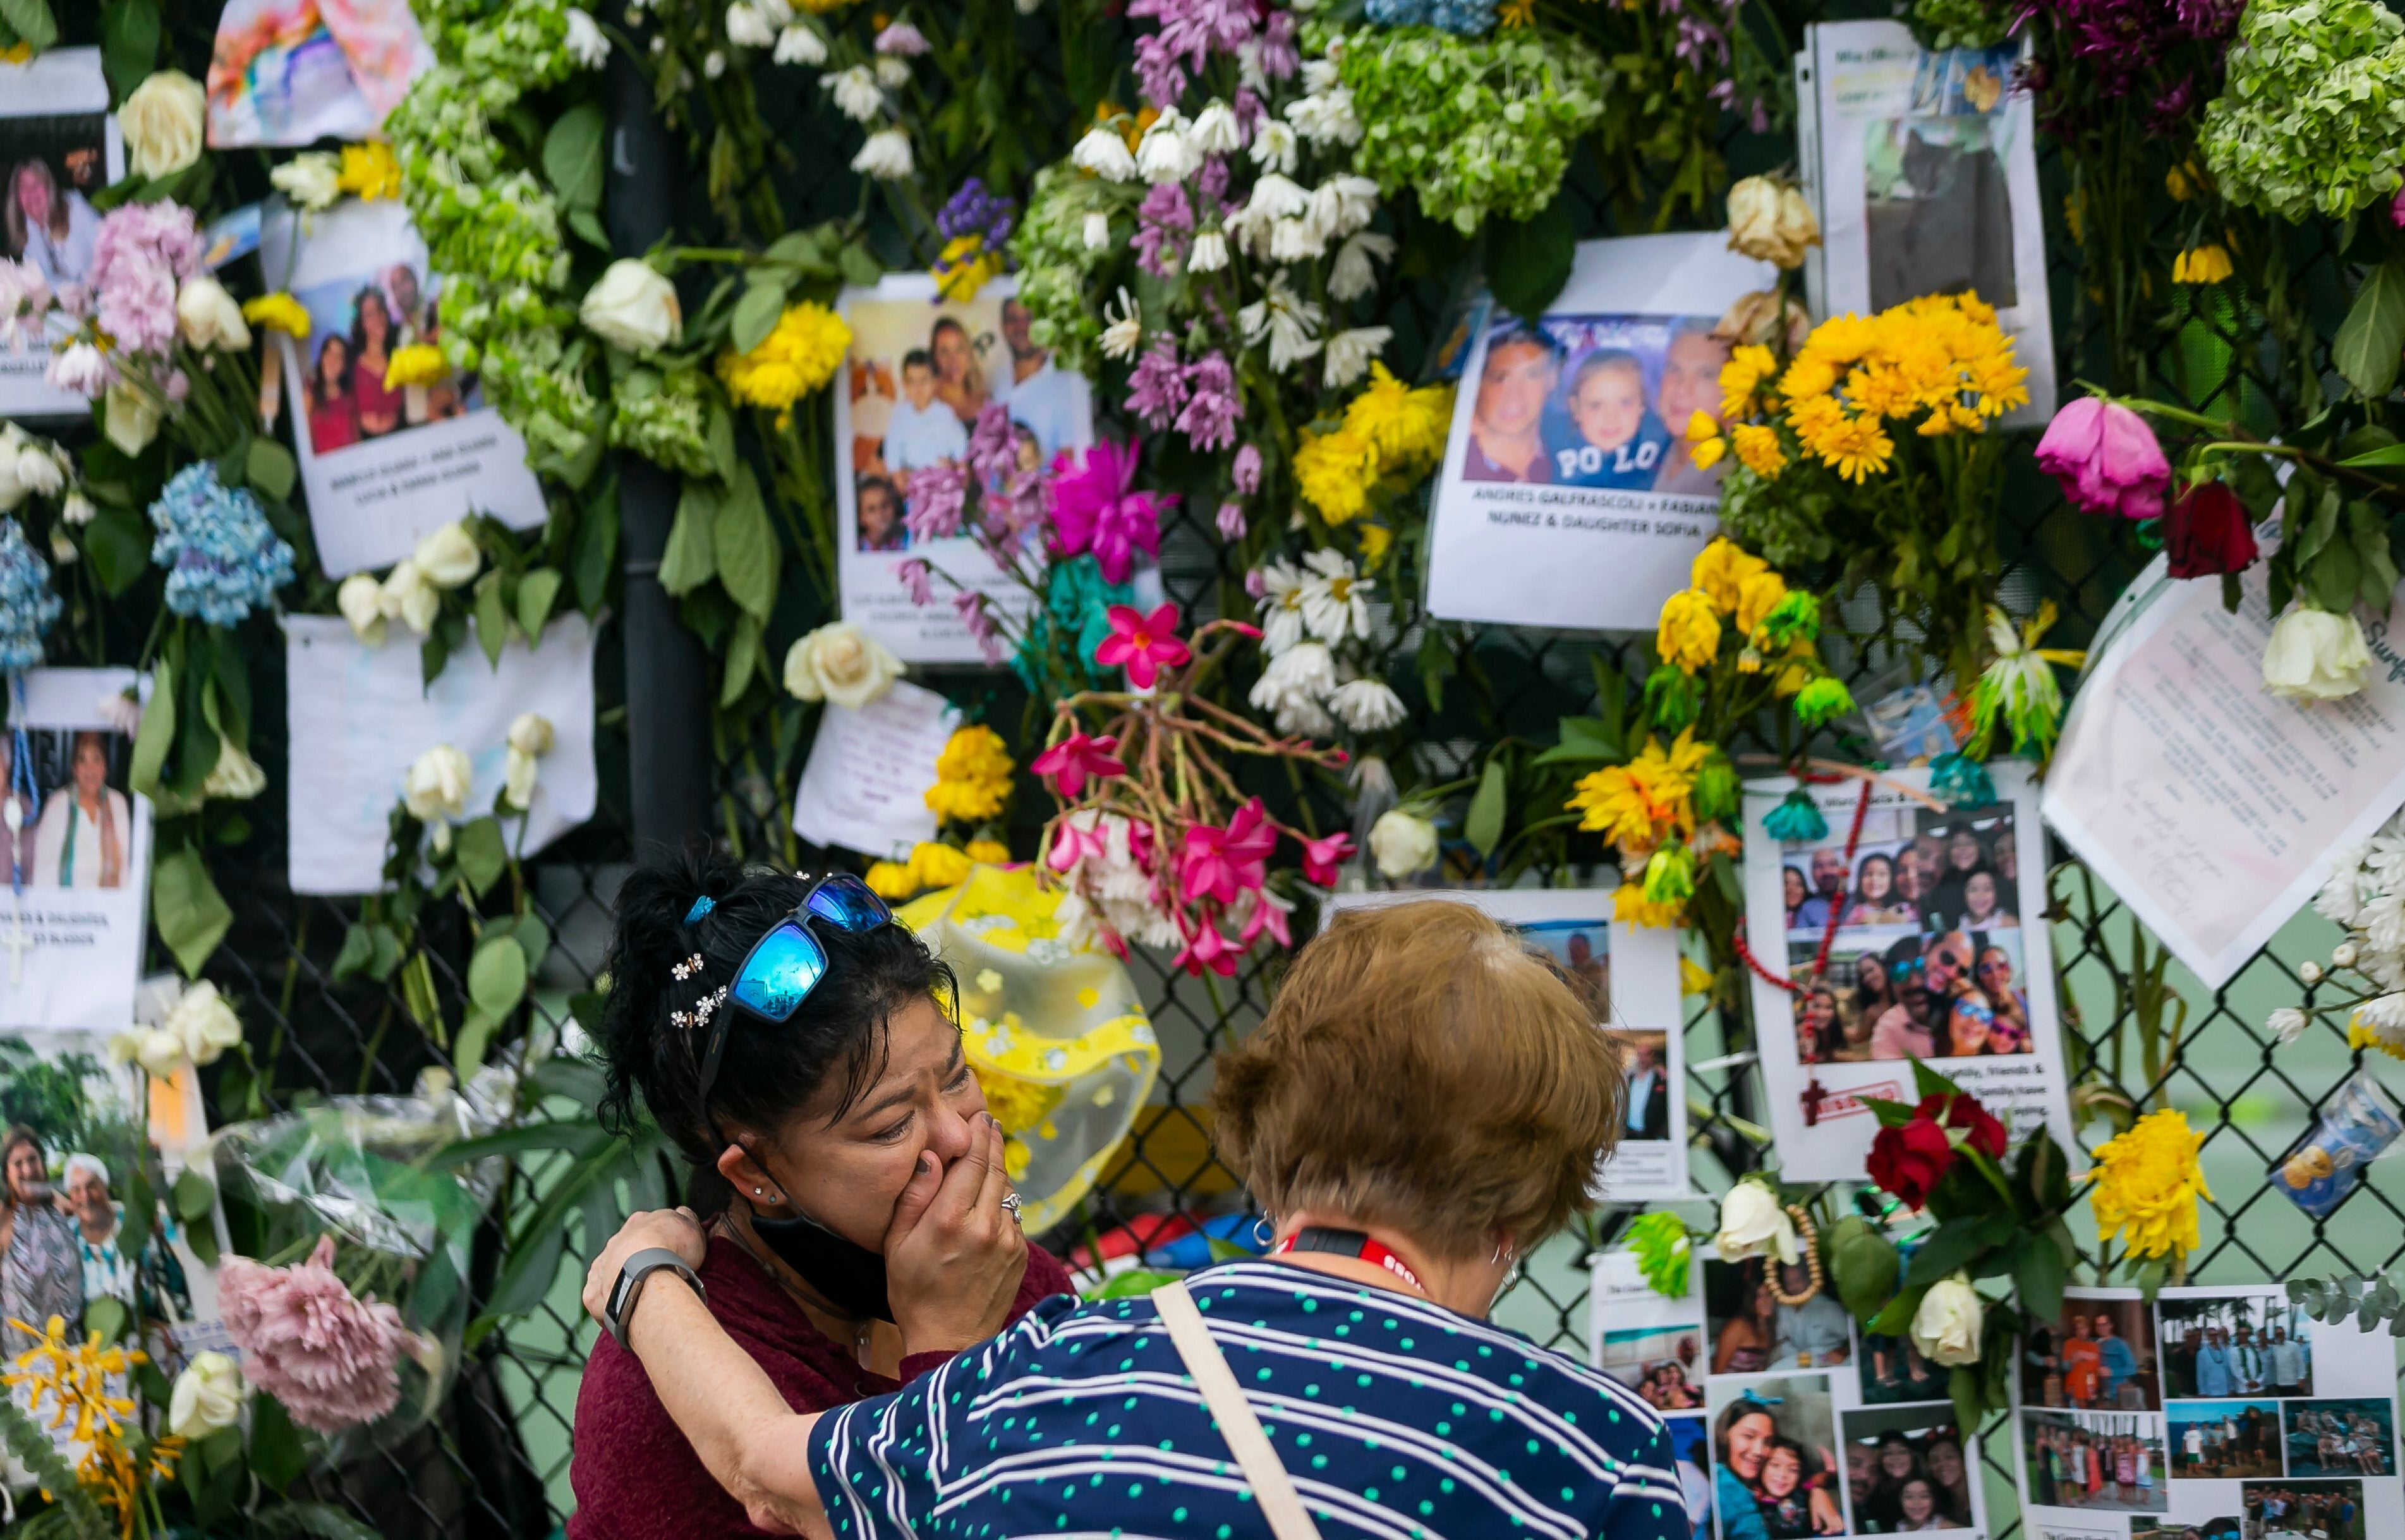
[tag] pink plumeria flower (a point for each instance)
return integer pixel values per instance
(1072, 844)
(1076, 759)
(1144, 644)
(1321, 857)
(1269, 913)
(1222, 863)
(1208, 950)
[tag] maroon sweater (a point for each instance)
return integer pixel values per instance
(636, 1477)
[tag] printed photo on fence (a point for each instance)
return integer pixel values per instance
(58, 147)
(1904, 939)
(1752, 1331)
(1568, 497)
(2095, 1462)
(2174, 1529)
(385, 457)
(1660, 1363)
(75, 874)
(1775, 1469)
(1691, 1448)
(2339, 1437)
(1906, 1471)
(1894, 1372)
(1630, 976)
(2223, 1440)
(920, 372)
(1923, 166)
(2099, 1353)
(2305, 1511)
(2250, 1342)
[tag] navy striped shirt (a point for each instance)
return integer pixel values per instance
(1398, 1420)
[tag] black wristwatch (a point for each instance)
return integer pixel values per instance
(622, 1294)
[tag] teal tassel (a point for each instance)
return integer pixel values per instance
(1797, 820)
(1961, 780)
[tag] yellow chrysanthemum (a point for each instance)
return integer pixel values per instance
(801, 355)
(420, 363)
(2147, 1181)
(934, 864)
(1630, 907)
(1688, 635)
(1646, 801)
(370, 172)
(990, 852)
(1375, 540)
(2205, 264)
(1757, 448)
(277, 312)
(2175, 182)
(1857, 448)
(1756, 597)
(1406, 427)
(1742, 375)
(1334, 470)
(1720, 572)
(971, 777)
(890, 880)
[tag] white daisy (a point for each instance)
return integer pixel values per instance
(1336, 601)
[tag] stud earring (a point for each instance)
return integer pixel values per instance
(755, 1192)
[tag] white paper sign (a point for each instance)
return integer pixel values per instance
(1784, 1421)
(1939, 952)
(2218, 1411)
(865, 784)
(74, 877)
(58, 147)
(361, 716)
(920, 370)
(1566, 498)
(2209, 806)
(383, 467)
(1924, 167)
(1632, 971)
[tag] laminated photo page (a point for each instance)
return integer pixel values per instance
(1630, 975)
(1784, 1418)
(59, 147)
(1922, 167)
(1566, 498)
(1914, 932)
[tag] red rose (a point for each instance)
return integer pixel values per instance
(1979, 1125)
(1909, 1160)
(2207, 532)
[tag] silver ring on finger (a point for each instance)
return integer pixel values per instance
(1010, 1201)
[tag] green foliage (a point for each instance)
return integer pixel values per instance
(2313, 117)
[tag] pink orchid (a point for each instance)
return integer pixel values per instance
(1094, 508)
(2106, 459)
(1321, 857)
(1075, 758)
(1145, 643)
(1221, 863)
(1208, 949)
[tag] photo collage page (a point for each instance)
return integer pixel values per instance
(1787, 1421)
(2225, 1413)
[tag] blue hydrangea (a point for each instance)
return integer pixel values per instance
(222, 559)
(1400, 13)
(27, 605)
(1463, 18)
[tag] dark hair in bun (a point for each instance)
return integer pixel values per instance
(767, 1075)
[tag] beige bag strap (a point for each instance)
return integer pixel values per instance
(1272, 1488)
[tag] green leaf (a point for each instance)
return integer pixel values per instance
(492, 618)
(1865, 1264)
(597, 549)
(129, 44)
(1929, 1082)
(1485, 825)
(1527, 263)
(690, 559)
(1952, 1245)
(2039, 1274)
(742, 661)
(581, 221)
(1962, 1387)
(481, 853)
(722, 442)
(799, 248)
(275, 1454)
(271, 466)
(117, 540)
(31, 21)
(571, 155)
(496, 976)
(157, 733)
(476, 1031)
(534, 939)
(2373, 459)
(2368, 530)
(2369, 340)
(861, 268)
(756, 315)
(133, 1226)
(186, 909)
(745, 545)
(106, 1316)
(193, 1197)
(1436, 664)
(537, 592)
(1897, 1317)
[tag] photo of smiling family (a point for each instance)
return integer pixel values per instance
(1596, 400)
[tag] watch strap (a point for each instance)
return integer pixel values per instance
(630, 1286)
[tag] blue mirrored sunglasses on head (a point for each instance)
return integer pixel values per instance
(782, 968)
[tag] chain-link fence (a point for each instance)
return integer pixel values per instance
(497, 1463)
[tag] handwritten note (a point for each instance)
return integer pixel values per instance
(866, 785)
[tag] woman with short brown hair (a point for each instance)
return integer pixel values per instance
(1425, 1101)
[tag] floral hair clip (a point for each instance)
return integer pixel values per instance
(699, 1014)
(686, 968)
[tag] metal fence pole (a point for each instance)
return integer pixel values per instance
(667, 676)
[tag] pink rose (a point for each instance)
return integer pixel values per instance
(2106, 459)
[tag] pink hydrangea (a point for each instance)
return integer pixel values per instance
(329, 1358)
(143, 253)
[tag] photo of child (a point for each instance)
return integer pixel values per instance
(1598, 401)
(1752, 1328)
(1658, 1362)
(1905, 1471)
(358, 322)
(1775, 1468)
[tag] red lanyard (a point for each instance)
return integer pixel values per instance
(1349, 1243)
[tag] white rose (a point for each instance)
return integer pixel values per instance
(1402, 843)
(203, 1023)
(1752, 1221)
(436, 789)
(532, 733)
(406, 596)
(448, 556)
(161, 123)
(634, 307)
(1946, 1328)
(841, 663)
(159, 1051)
(362, 601)
(2314, 656)
(313, 180)
(235, 777)
(1769, 222)
(209, 318)
(132, 419)
(38, 471)
(518, 772)
(208, 1396)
